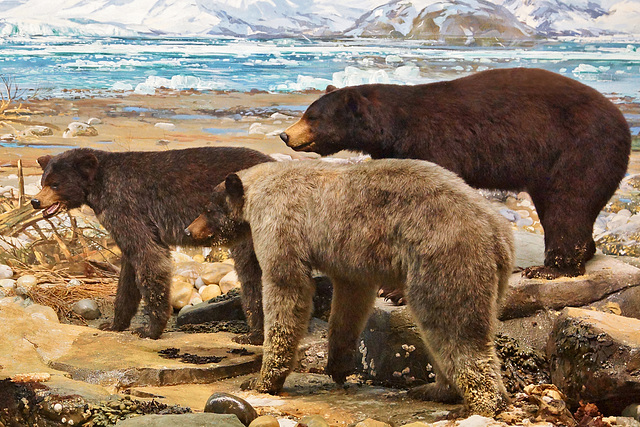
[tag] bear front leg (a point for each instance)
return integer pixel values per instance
(127, 298)
(287, 301)
(250, 276)
(351, 305)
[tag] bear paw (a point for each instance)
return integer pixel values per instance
(252, 338)
(435, 393)
(147, 333)
(550, 273)
(396, 296)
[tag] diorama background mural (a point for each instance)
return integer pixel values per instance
(283, 45)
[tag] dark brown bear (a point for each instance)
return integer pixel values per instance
(512, 129)
(145, 200)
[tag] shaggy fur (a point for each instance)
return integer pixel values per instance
(513, 129)
(407, 223)
(145, 200)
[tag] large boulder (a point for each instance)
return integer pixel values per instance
(595, 357)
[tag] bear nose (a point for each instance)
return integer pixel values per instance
(187, 232)
(35, 203)
(284, 137)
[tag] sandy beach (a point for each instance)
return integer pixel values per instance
(168, 120)
(171, 120)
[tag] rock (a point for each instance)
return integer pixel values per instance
(199, 284)
(215, 271)
(478, 421)
(198, 258)
(605, 276)
(5, 272)
(265, 421)
(209, 291)
(257, 129)
(632, 411)
(225, 403)
(181, 291)
(182, 420)
(594, 356)
(37, 131)
(312, 421)
(391, 351)
(42, 312)
(94, 121)
(370, 422)
(229, 281)
(195, 299)
(7, 137)
(165, 126)
(87, 308)
(178, 257)
(208, 311)
(8, 283)
(75, 282)
(79, 129)
(510, 214)
(27, 281)
(280, 116)
(189, 270)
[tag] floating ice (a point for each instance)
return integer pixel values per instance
(121, 86)
(177, 82)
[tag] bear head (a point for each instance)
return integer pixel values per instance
(222, 221)
(338, 120)
(66, 180)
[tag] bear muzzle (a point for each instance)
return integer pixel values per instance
(48, 200)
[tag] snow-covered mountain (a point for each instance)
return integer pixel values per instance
(505, 19)
(428, 19)
(577, 17)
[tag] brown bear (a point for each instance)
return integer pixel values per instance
(145, 200)
(407, 223)
(511, 129)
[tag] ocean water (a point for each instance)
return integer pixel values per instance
(61, 66)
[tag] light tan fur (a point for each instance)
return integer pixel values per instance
(406, 223)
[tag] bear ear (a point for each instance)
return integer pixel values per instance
(330, 88)
(43, 161)
(87, 165)
(234, 188)
(356, 103)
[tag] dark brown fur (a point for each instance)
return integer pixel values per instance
(512, 129)
(145, 200)
(410, 224)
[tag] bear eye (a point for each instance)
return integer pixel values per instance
(54, 186)
(208, 210)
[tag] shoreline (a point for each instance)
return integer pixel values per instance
(176, 119)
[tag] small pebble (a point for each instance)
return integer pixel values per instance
(225, 403)
(265, 421)
(8, 283)
(57, 407)
(75, 282)
(27, 281)
(313, 421)
(210, 291)
(5, 272)
(370, 422)
(87, 308)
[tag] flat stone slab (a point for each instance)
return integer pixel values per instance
(114, 359)
(183, 420)
(124, 360)
(604, 276)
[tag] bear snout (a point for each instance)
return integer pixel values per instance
(284, 137)
(35, 203)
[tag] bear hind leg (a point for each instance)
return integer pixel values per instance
(351, 305)
(459, 336)
(127, 298)
(250, 276)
